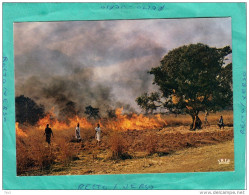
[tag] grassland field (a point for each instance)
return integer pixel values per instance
(172, 148)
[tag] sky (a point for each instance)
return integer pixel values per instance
(102, 63)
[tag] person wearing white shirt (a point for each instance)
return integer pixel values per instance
(98, 131)
(77, 132)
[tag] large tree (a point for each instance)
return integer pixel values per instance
(195, 78)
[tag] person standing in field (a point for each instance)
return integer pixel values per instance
(77, 132)
(98, 131)
(205, 118)
(48, 132)
(221, 122)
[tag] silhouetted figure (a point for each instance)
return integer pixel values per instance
(48, 132)
(196, 123)
(98, 131)
(77, 132)
(221, 122)
(205, 118)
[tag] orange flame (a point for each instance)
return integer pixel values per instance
(138, 122)
(19, 131)
(121, 122)
(54, 123)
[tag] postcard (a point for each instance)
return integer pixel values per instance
(124, 98)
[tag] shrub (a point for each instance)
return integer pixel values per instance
(118, 147)
(150, 143)
(66, 151)
(32, 154)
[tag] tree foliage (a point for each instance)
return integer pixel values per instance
(149, 102)
(68, 111)
(194, 78)
(27, 110)
(92, 112)
(111, 113)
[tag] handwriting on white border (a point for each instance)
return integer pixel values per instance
(243, 105)
(137, 7)
(5, 89)
(132, 186)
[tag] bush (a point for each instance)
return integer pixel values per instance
(118, 147)
(33, 155)
(66, 151)
(150, 143)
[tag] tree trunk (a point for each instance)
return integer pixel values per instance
(196, 122)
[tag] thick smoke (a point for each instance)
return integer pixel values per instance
(70, 65)
(68, 95)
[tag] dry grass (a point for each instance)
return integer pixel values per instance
(87, 134)
(34, 157)
(199, 159)
(66, 151)
(34, 154)
(150, 143)
(213, 118)
(118, 147)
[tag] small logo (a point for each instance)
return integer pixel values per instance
(224, 161)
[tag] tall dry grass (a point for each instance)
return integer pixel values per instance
(118, 146)
(87, 134)
(66, 151)
(213, 118)
(34, 154)
(150, 143)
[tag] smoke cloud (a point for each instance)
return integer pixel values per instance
(70, 65)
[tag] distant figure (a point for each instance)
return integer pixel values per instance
(98, 131)
(196, 123)
(77, 132)
(48, 132)
(205, 118)
(221, 122)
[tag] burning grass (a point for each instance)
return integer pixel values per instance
(123, 137)
(120, 122)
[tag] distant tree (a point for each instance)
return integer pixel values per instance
(92, 112)
(68, 111)
(111, 113)
(194, 78)
(27, 110)
(149, 102)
